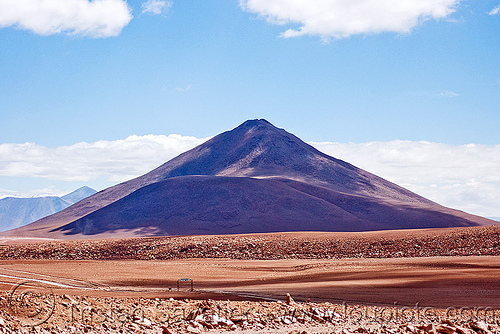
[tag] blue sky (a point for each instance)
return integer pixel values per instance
(426, 71)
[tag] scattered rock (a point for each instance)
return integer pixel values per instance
(445, 329)
(460, 242)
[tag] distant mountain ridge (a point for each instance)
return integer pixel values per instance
(17, 211)
(254, 178)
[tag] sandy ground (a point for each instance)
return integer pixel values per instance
(103, 296)
(321, 271)
(436, 281)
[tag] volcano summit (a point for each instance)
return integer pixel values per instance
(254, 178)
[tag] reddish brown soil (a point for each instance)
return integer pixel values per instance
(440, 281)
(371, 268)
(81, 314)
(299, 245)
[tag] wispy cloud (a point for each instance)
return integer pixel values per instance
(340, 18)
(495, 11)
(183, 89)
(157, 7)
(449, 93)
(443, 93)
(103, 18)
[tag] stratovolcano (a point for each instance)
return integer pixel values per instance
(255, 178)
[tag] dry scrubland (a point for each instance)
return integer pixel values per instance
(110, 289)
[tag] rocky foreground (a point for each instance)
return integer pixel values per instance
(472, 241)
(50, 313)
(37, 309)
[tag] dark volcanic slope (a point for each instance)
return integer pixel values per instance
(255, 178)
(221, 205)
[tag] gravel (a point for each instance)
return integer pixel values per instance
(84, 314)
(456, 242)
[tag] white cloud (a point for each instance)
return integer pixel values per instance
(98, 18)
(115, 161)
(495, 11)
(341, 18)
(449, 93)
(157, 7)
(47, 191)
(443, 93)
(465, 177)
(183, 89)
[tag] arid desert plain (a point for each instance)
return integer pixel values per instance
(406, 281)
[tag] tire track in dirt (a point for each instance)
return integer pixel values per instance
(61, 282)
